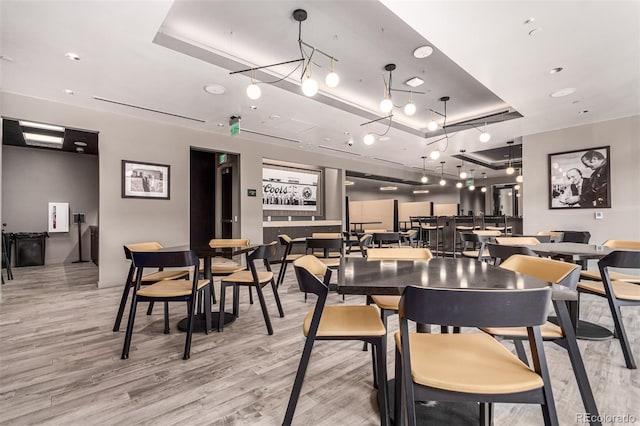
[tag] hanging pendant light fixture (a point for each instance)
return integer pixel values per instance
(459, 184)
(484, 182)
(435, 154)
(410, 108)
(253, 91)
(473, 183)
(461, 171)
(424, 178)
(519, 178)
(510, 170)
(484, 135)
(309, 85)
(442, 181)
(332, 79)
(433, 124)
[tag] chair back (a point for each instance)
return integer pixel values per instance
(622, 244)
(284, 239)
(147, 246)
(228, 242)
(581, 237)
(499, 253)
(308, 268)
(517, 241)
(554, 236)
(554, 271)
(399, 253)
(166, 259)
(387, 237)
(326, 235)
(264, 252)
(326, 243)
(475, 308)
(618, 259)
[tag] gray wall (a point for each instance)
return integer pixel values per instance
(34, 177)
(622, 220)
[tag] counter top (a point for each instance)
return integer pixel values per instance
(285, 223)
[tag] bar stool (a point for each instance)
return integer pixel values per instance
(427, 226)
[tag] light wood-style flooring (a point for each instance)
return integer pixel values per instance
(60, 363)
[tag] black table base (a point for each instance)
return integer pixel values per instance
(588, 330)
(440, 413)
(198, 324)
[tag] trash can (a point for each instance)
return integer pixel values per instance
(29, 248)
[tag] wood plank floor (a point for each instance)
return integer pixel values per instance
(60, 363)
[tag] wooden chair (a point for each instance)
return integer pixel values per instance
(387, 237)
(222, 266)
(471, 366)
(148, 278)
(287, 257)
(332, 249)
(168, 290)
(616, 276)
(554, 236)
(499, 253)
(364, 243)
(253, 278)
(461, 224)
(341, 322)
(618, 293)
(517, 241)
(555, 272)
(473, 245)
(429, 224)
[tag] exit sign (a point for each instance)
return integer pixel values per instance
(234, 125)
(469, 182)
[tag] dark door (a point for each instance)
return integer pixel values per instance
(202, 197)
(226, 188)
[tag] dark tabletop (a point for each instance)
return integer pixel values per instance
(207, 251)
(576, 251)
(371, 277)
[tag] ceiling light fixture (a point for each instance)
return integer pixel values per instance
(386, 105)
(349, 182)
(434, 155)
(414, 82)
(422, 52)
(308, 84)
(80, 143)
(35, 125)
(442, 181)
(69, 91)
(555, 70)
(420, 191)
(369, 139)
(424, 178)
(484, 135)
(519, 178)
(410, 108)
(215, 89)
(510, 169)
(433, 125)
(563, 92)
(473, 183)
(72, 56)
(461, 173)
(484, 182)
(388, 188)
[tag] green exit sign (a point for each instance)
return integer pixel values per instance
(234, 129)
(469, 182)
(223, 158)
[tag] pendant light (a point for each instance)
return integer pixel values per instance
(442, 181)
(433, 124)
(484, 182)
(410, 108)
(484, 135)
(332, 79)
(435, 154)
(253, 91)
(424, 178)
(472, 187)
(309, 85)
(510, 169)
(459, 184)
(519, 178)
(461, 171)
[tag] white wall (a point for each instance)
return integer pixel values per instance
(622, 220)
(125, 137)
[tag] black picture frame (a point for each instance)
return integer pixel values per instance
(146, 180)
(580, 179)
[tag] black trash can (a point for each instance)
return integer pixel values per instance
(29, 248)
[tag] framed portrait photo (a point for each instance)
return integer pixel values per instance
(145, 180)
(580, 179)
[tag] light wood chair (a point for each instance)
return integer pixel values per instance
(615, 276)
(555, 236)
(555, 272)
(168, 290)
(148, 278)
(222, 266)
(499, 252)
(470, 366)
(473, 244)
(517, 241)
(618, 293)
(342, 322)
(287, 257)
(252, 278)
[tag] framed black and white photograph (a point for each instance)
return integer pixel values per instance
(145, 180)
(580, 179)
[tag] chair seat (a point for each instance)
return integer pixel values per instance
(495, 228)
(223, 260)
(475, 253)
(330, 262)
(387, 302)
(165, 275)
(549, 330)
(292, 257)
(345, 321)
(333, 254)
(621, 289)
(471, 363)
(170, 288)
(617, 276)
(226, 269)
(246, 277)
(464, 228)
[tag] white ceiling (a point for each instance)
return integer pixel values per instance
(484, 59)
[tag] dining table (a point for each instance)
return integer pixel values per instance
(207, 253)
(580, 254)
(360, 276)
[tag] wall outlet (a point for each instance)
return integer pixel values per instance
(598, 215)
(289, 219)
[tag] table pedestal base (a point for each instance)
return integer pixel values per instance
(588, 330)
(199, 321)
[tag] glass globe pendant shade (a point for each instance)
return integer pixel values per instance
(432, 126)
(519, 179)
(309, 86)
(459, 185)
(369, 139)
(332, 79)
(386, 105)
(424, 179)
(484, 137)
(410, 108)
(510, 170)
(483, 189)
(253, 91)
(472, 187)
(463, 175)
(434, 155)
(443, 182)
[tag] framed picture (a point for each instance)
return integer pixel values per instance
(145, 180)
(288, 190)
(58, 217)
(580, 179)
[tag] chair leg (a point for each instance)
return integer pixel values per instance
(265, 312)
(250, 296)
(150, 308)
(486, 414)
(297, 384)
(283, 271)
(621, 334)
(223, 288)
(383, 397)
(522, 355)
(236, 301)
(187, 344)
(127, 336)
(207, 310)
(398, 412)
(123, 303)
(368, 302)
(277, 296)
(166, 318)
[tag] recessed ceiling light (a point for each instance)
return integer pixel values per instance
(534, 31)
(69, 91)
(421, 191)
(79, 143)
(584, 111)
(555, 70)
(42, 126)
(214, 89)
(253, 107)
(575, 102)
(388, 188)
(414, 82)
(72, 56)
(422, 52)
(274, 117)
(80, 150)
(563, 92)
(220, 124)
(529, 21)
(349, 182)
(347, 133)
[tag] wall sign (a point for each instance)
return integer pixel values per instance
(251, 192)
(58, 217)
